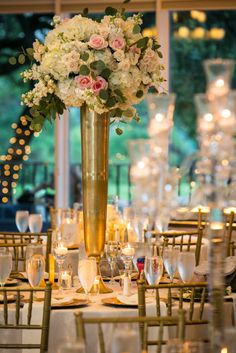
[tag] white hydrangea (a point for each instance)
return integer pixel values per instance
(64, 64)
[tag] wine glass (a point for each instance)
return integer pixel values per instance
(186, 265)
(35, 267)
(87, 271)
(35, 223)
(22, 219)
(5, 265)
(32, 249)
(153, 269)
(112, 249)
(170, 258)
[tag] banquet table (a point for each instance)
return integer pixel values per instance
(62, 325)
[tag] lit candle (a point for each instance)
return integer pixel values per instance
(217, 225)
(65, 280)
(61, 250)
(224, 350)
(51, 268)
(228, 210)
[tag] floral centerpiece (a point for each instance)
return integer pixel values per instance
(107, 64)
(104, 67)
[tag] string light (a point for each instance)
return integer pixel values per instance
(4, 199)
(18, 151)
(15, 176)
(5, 183)
(22, 142)
(16, 167)
(8, 157)
(14, 126)
(25, 158)
(19, 130)
(5, 190)
(6, 166)
(10, 150)
(12, 140)
(27, 132)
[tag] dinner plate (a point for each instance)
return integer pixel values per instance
(76, 303)
(113, 301)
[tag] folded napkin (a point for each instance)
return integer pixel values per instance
(132, 299)
(60, 301)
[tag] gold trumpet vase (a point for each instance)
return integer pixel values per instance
(95, 142)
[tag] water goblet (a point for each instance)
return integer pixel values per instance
(22, 219)
(5, 265)
(112, 248)
(170, 258)
(35, 267)
(153, 269)
(186, 265)
(87, 271)
(35, 223)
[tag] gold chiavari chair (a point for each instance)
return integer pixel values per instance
(229, 224)
(184, 240)
(177, 321)
(197, 298)
(17, 242)
(17, 323)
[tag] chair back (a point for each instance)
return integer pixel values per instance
(17, 243)
(144, 323)
(13, 315)
(194, 295)
(185, 241)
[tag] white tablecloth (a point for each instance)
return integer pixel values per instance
(62, 325)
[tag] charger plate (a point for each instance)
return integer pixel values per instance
(113, 301)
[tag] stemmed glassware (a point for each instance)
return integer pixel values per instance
(35, 223)
(153, 269)
(170, 258)
(87, 271)
(5, 265)
(112, 249)
(127, 254)
(186, 265)
(35, 267)
(22, 219)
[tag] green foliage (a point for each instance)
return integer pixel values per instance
(110, 11)
(84, 70)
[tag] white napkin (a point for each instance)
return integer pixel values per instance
(132, 299)
(65, 300)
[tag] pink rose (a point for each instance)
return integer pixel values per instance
(97, 42)
(117, 43)
(83, 81)
(99, 84)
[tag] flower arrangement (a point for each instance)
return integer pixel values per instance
(107, 64)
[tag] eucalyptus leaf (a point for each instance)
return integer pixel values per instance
(98, 65)
(139, 93)
(136, 29)
(119, 131)
(142, 43)
(126, 1)
(30, 51)
(85, 11)
(105, 73)
(159, 53)
(103, 94)
(84, 70)
(111, 102)
(12, 60)
(111, 11)
(84, 56)
(21, 59)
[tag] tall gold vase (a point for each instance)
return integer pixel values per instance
(95, 140)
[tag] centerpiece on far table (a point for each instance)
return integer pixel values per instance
(105, 67)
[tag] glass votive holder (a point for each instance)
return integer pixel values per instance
(65, 279)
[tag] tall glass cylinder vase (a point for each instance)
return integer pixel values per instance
(94, 139)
